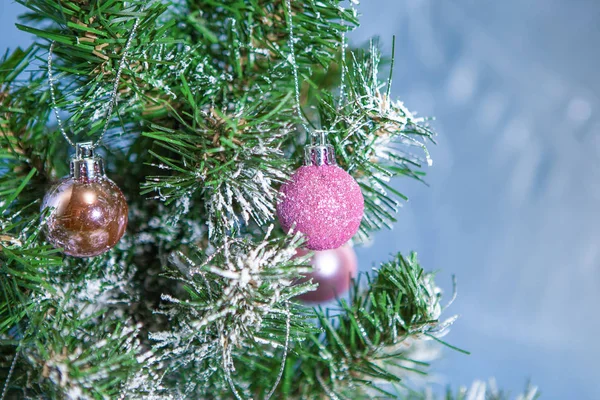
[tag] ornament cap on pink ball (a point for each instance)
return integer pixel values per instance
(322, 201)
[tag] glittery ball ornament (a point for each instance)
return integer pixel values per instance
(322, 201)
(88, 211)
(333, 270)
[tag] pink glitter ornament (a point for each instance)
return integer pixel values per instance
(322, 201)
(333, 271)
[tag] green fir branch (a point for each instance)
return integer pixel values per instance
(197, 299)
(367, 342)
(374, 137)
(229, 310)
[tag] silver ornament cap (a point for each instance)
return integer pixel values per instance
(319, 155)
(85, 165)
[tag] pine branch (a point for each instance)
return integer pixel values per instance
(89, 46)
(23, 260)
(367, 342)
(478, 390)
(231, 309)
(223, 140)
(75, 357)
(230, 162)
(374, 136)
(196, 301)
(24, 143)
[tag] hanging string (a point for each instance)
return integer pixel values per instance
(114, 92)
(10, 372)
(292, 59)
(342, 95)
(53, 97)
(13, 364)
(226, 353)
(285, 351)
(343, 67)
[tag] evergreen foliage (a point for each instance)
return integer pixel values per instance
(197, 300)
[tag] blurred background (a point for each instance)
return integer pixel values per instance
(512, 205)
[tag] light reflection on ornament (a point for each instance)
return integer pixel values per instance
(89, 197)
(96, 213)
(328, 262)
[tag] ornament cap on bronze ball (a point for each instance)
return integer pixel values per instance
(88, 210)
(321, 200)
(85, 166)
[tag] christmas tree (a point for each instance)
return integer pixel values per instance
(199, 112)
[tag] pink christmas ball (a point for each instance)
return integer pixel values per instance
(333, 271)
(325, 204)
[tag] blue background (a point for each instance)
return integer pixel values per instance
(512, 207)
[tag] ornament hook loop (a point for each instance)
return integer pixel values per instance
(84, 150)
(85, 165)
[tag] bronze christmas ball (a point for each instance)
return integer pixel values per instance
(88, 217)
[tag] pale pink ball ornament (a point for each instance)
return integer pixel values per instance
(322, 201)
(333, 270)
